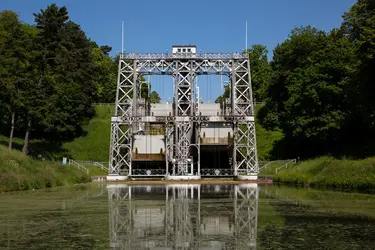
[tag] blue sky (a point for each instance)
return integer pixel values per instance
(214, 26)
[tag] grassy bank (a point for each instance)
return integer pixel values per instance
(330, 172)
(93, 145)
(19, 172)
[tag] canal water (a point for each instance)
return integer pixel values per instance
(100, 216)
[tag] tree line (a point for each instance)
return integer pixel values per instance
(319, 88)
(50, 75)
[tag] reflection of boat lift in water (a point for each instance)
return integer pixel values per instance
(183, 220)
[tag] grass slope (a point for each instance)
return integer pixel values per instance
(265, 138)
(19, 172)
(94, 146)
(330, 172)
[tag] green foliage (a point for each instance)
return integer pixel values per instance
(50, 75)
(260, 74)
(225, 95)
(105, 74)
(13, 60)
(321, 90)
(66, 70)
(19, 172)
(306, 98)
(359, 25)
(154, 97)
(330, 172)
(260, 71)
(265, 138)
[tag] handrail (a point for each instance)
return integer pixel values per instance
(266, 165)
(93, 163)
(286, 165)
(112, 104)
(99, 164)
(204, 56)
(270, 162)
(79, 166)
(103, 104)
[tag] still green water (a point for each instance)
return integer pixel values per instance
(100, 216)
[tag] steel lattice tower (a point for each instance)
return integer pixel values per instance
(182, 144)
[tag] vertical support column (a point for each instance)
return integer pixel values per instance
(246, 215)
(169, 146)
(120, 150)
(245, 158)
(198, 129)
(121, 123)
(234, 157)
(233, 98)
(120, 228)
(180, 201)
(183, 111)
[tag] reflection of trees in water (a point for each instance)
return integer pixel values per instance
(307, 228)
(183, 217)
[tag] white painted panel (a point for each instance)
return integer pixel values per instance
(149, 144)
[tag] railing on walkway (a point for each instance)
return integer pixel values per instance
(79, 166)
(282, 163)
(263, 165)
(285, 165)
(103, 104)
(101, 165)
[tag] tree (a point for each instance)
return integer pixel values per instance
(307, 95)
(105, 49)
(60, 85)
(359, 25)
(154, 97)
(105, 74)
(260, 71)
(225, 95)
(75, 89)
(13, 64)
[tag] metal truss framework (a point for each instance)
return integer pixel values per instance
(184, 68)
(246, 215)
(120, 216)
(182, 217)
